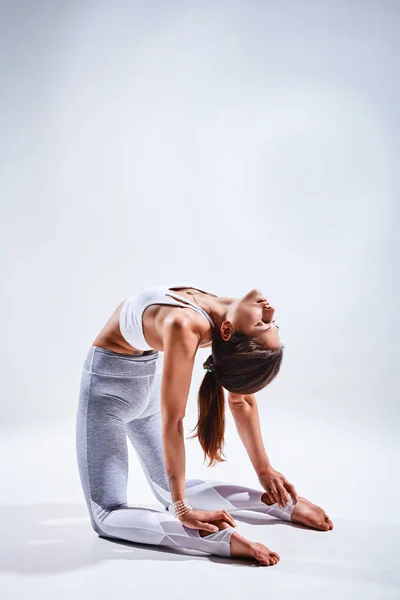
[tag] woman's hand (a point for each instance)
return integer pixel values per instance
(277, 486)
(204, 519)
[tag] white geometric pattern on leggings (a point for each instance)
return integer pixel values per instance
(207, 496)
(157, 528)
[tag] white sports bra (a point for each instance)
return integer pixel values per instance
(131, 315)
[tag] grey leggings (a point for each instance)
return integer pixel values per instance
(119, 398)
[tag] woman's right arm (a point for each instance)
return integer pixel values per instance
(180, 347)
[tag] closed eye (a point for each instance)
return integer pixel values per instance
(264, 322)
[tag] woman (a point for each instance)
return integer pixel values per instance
(135, 382)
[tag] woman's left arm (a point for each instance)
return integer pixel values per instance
(245, 413)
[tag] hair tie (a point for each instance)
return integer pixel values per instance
(208, 364)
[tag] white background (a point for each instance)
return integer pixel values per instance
(233, 145)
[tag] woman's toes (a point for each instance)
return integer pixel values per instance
(274, 558)
(263, 555)
(327, 519)
(323, 525)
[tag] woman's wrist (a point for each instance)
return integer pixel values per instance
(180, 508)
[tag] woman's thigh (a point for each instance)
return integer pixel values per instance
(145, 433)
(112, 391)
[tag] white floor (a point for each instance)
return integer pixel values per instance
(48, 548)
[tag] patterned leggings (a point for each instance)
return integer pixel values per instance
(119, 399)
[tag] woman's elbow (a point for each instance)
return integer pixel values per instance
(172, 422)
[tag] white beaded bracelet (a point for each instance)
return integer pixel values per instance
(179, 508)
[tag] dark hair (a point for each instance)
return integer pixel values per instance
(241, 365)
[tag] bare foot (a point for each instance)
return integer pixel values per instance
(309, 514)
(240, 547)
(243, 548)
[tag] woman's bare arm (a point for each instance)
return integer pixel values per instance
(181, 341)
(245, 413)
(180, 347)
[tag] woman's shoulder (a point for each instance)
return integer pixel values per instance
(190, 323)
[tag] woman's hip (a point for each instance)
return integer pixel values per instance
(120, 386)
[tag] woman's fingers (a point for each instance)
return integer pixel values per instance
(225, 516)
(220, 524)
(219, 515)
(284, 495)
(208, 527)
(292, 491)
(278, 494)
(274, 493)
(214, 520)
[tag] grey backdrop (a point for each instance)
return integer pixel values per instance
(231, 144)
(249, 143)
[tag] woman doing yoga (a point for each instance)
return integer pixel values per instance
(135, 383)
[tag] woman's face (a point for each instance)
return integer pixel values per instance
(253, 315)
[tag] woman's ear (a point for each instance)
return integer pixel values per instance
(226, 330)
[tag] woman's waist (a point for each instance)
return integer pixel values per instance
(103, 361)
(113, 347)
(110, 338)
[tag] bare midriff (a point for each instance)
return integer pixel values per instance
(110, 336)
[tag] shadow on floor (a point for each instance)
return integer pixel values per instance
(55, 538)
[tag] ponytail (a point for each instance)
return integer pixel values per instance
(211, 418)
(241, 365)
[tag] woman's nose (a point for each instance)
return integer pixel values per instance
(268, 306)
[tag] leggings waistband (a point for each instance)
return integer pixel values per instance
(147, 355)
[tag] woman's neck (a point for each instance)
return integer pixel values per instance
(217, 308)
